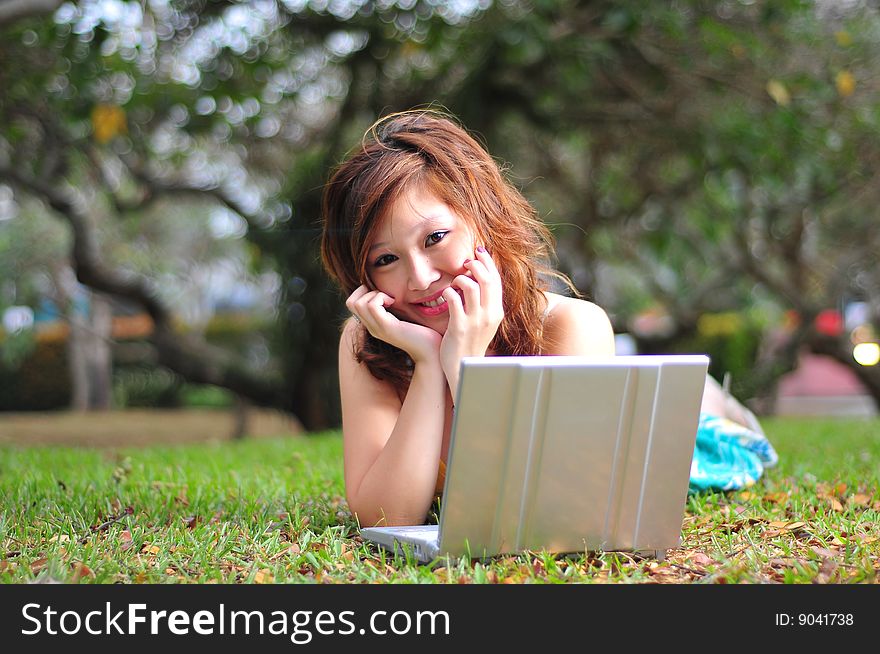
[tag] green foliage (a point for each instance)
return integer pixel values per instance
(15, 348)
(142, 386)
(200, 395)
(239, 332)
(732, 343)
(39, 381)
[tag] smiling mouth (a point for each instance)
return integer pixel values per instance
(434, 303)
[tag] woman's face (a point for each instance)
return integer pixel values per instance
(420, 247)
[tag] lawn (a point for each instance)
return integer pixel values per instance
(272, 511)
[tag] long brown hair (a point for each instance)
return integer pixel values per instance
(429, 149)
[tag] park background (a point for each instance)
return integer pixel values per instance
(708, 168)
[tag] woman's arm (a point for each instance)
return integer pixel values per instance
(391, 449)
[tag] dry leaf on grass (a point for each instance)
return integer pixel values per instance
(292, 550)
(778, 527)
(828, 491)
(787, 525)
(824, 552)
(264, 576)
(734, 527)
(700, 559)
(39, 565)
(79, 570)
(827, 570)
(864, 539)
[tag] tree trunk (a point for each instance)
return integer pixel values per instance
(100, 354)
(241, 412)
(64, 283)
(78, 362)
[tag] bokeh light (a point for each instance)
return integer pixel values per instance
(867, 354)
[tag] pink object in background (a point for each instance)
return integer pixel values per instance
(821, 386)
(820, 375)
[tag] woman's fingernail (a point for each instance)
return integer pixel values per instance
(467, 260)
(480, 248)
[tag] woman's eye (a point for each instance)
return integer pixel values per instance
(435, 237)
(385, 259)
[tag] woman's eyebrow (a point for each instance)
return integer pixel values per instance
(429, 222)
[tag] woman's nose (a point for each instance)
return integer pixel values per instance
(421, 273)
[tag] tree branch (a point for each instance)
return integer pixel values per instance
(13, 10)
(89, 268)
(185, 354)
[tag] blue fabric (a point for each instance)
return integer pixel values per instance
(728, 455)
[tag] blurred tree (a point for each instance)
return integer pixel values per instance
(707, 156)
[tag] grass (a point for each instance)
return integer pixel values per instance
(272, 511)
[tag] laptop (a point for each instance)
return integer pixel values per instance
(564, 454)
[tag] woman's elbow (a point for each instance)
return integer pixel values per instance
(371, 514)
(368, 517)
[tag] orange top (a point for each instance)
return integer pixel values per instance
(441, 479)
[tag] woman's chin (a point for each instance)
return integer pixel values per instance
(438, 323)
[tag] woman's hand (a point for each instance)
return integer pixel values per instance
(369, 307)
(474, 321)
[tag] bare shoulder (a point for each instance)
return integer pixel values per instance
(349, 337)
(577, 327)
(349, 344)
(357, 384)
(370, 407)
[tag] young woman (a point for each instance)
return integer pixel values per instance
(441, 258)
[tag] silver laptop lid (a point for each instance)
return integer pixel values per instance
(570, 453)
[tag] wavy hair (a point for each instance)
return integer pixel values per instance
(428, 149)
